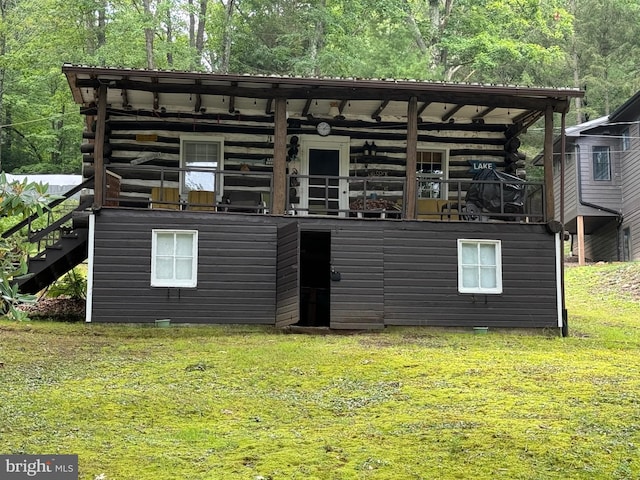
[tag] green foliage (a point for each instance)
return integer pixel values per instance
(18, 200)
(72, 284)
(11, 299)
(591, 43)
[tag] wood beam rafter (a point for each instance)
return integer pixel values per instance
(423, 107)
(451, 112)
(307, 106)
(376, 115)
(484, 113)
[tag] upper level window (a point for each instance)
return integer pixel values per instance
(431, 169)
(174, 258)
(479, 266)
(601, 163)
(626, 139)
(201, 157)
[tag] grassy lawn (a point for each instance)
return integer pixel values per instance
(407, 403)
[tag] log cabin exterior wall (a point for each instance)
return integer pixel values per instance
(155, 142)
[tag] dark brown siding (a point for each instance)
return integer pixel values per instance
(357, 299)
(392, 272)
(421, 280)
(236, 270)
(288, 286)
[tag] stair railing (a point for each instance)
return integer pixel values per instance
(50, 233)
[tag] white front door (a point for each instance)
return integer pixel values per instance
(323, 161)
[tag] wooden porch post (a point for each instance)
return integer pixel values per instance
(412, 154)
(98, 149)
(580, 228)
(280, 157)
(548, 164)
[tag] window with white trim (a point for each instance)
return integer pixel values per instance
(626, 139)
(601, 163)
(174, 258)
(432, 169)
(479, 266)
(201, 157)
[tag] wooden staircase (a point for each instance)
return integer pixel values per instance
(61, 244)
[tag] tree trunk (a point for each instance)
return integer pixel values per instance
(318, 39)
(202, 20)
(148, 33)
(192, 26)
(226, 38)
(415, 30)
(169, 39)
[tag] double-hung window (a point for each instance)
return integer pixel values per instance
(479, 266)
(601, 163)
(201, 159)
(432, 169)
(174, 258)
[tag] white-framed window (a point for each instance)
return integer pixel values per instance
(174, 258)
(202, 158)
(432, 169)
(479, 266)
(601, 163)
(626, 139)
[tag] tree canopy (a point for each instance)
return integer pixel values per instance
(583, 43)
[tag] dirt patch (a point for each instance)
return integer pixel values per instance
(60, 308)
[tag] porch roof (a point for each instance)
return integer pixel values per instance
(315, 99)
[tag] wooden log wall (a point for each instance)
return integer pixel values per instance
(142, 139)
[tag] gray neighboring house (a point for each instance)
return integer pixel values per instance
(601, 185)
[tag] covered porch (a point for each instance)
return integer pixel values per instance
(313, 146)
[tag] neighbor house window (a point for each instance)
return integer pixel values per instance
(626, 139)
(479, 266)
(601, 163)
(174, 258)
(201, 159)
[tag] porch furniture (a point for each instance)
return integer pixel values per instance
(243, 201)
(201, 200)
(165, 197)
(437, 209)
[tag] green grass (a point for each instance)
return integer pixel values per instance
(406, 403)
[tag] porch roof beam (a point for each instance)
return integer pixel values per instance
(496, 100)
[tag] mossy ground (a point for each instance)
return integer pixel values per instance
(406, 403)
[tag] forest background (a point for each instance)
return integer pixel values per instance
(588, 44)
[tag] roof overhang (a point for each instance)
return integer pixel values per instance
(318, 98)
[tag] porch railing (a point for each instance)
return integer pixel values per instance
(202, 188)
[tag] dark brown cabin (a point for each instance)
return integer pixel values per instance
(345, 203)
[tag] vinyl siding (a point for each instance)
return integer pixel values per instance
(392, 272)
(357, 299)
(631, 190)
(603, 193)
(421, 286)
(288, 299)
(602, 244)
(236, 270)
